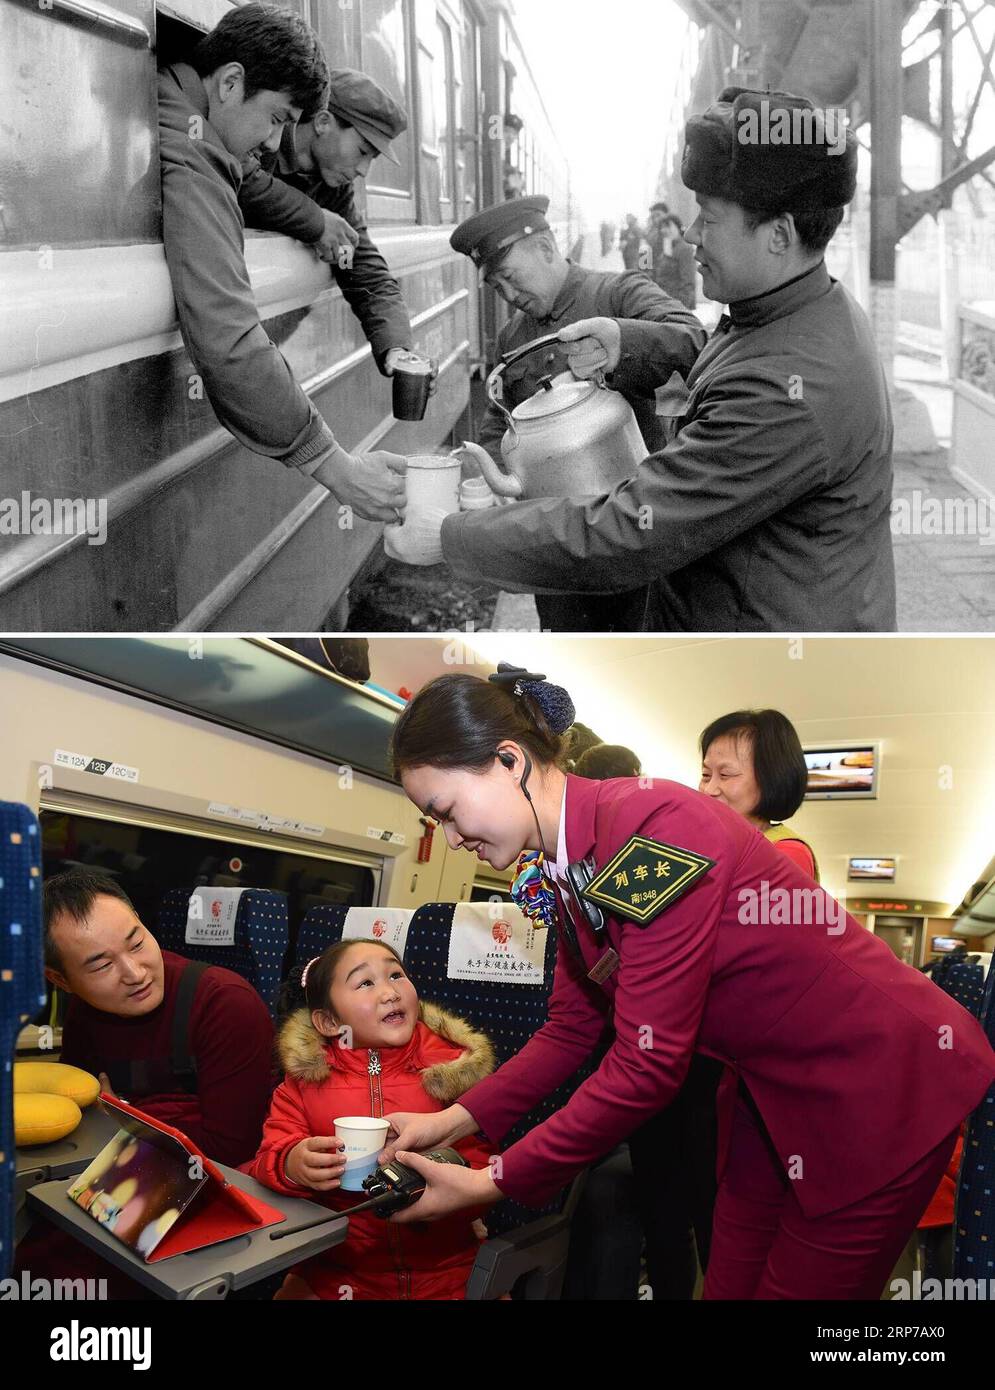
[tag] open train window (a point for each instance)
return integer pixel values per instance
(180, 26)
(148, 860)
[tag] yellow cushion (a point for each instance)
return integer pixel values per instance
(56, 1079)
(42, 1119)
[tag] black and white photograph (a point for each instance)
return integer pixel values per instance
(397, 316)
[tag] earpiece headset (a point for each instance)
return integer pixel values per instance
(508, 760)
(578, 875)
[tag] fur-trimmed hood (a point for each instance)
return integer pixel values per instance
(307, 1056)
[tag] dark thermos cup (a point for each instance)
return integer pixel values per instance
(412, 386)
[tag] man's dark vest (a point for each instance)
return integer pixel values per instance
(156, 1076)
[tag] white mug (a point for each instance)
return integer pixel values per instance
(433, 494)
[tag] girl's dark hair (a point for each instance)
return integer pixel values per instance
(279, 52)
(459, 721)
(578, 739)
(607, 760)
(778, 761)
(317, 992)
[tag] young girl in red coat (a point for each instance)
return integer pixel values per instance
(363, 1045)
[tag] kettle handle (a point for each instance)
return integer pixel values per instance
(494, 381)
(509, 359)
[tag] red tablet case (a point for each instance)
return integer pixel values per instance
(220, 1210)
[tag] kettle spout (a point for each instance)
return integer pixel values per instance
(502, 483)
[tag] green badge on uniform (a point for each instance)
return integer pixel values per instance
(645, 877)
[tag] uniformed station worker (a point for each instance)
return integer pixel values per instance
(769, 508)
(259, 71)
(683, 930)
(516, 250)
(308, 184)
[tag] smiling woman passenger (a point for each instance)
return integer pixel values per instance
(753, 761)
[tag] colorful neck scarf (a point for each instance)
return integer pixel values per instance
(532, 890)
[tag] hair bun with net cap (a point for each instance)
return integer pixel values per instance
(553, 700)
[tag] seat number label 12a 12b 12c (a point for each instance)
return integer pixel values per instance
(100, 767)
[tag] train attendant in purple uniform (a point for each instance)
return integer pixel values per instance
(847, 1073)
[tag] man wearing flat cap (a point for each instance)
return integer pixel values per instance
(768, 509)
(306, 190)
(516, 252)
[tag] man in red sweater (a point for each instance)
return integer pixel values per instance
(190, 1044)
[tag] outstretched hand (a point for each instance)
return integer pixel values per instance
(448, 1188)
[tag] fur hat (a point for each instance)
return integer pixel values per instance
(770, 152)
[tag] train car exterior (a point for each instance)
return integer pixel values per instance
(100, 408)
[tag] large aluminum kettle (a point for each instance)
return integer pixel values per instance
(571, 439)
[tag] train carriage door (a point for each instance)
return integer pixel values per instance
(905, 936)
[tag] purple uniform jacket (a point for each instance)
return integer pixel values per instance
(858, 1064)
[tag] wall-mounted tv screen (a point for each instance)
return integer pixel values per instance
(942, 944)
(872, 870)
(844, 771)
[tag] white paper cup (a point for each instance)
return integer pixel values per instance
(364, 1138)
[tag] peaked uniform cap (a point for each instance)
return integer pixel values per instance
(488, 236)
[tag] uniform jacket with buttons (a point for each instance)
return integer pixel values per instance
(277, 196)
(770, 508)
(673, 340)
(378, 1259)
(246, 378)
(858, 1064)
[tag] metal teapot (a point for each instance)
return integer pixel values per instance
(572, 439)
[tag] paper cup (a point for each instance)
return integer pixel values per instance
(364, 1138)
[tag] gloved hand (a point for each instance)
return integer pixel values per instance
(594, 345)
(373, 484)
(398, 354)
(337, 244)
